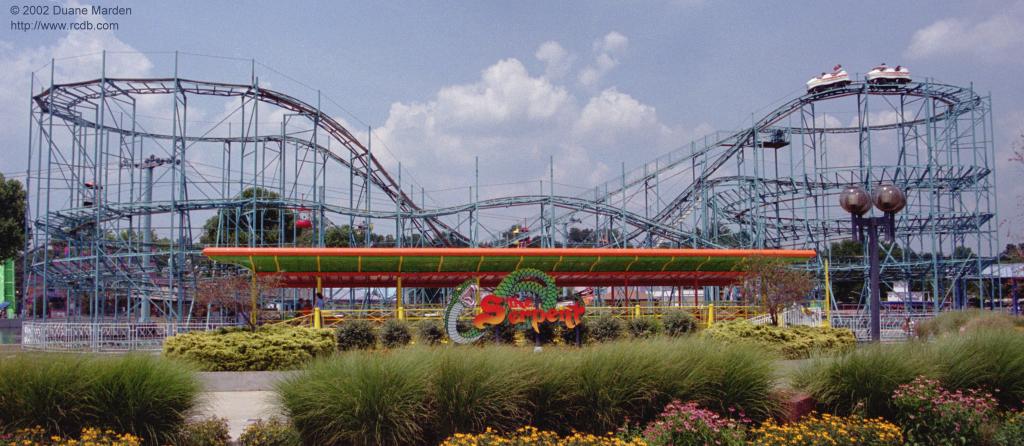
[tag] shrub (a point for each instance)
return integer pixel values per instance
(65, 394)
(359, 398)
(38, 436)
(605, 328)
(863, 380)
(356, 335)
(678, 323)
(644, 327)
(272, 432)
(991, 360)
(395, 333)
(1010, 431)
(569, 334)
(269, 348)
(430, 332)
(932, 415)
(532, 436)
(687, 423)
(828, 430)
(208, 432)
(791, 342)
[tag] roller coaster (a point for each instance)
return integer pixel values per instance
(126, 188)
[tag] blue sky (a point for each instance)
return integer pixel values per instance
(593, 83)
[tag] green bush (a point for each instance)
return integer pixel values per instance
(990, 360)
(966, 321)
(430, 332)
(678, 323)
(272, 432)
(269, 348)
(359, 398)
(208, 432)
(429, 393)
(791, 342)
(862, 381)
(395, 333)
(356, 335)
(644, 327)
(605, 328)
(142, 395)
(569, 334)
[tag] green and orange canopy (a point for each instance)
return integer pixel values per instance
(448, 267)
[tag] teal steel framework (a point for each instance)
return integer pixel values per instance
(118, 197)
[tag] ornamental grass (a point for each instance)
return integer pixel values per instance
(64, 394)
(423, 395)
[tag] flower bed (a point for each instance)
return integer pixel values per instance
(90, 436)
(531, 436)
(828, 430)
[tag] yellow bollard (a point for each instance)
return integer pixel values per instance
(827, 322)
(711, 314)
(316, 318)
(398, 300)
(636, 311)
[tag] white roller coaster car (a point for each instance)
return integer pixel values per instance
(837, 78)
(884, 74)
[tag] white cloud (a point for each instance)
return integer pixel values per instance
(998, 35)
(556, 59)
(607, 50)
(514, 121)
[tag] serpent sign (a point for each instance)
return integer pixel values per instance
(525, 298)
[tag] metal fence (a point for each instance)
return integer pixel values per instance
(895, 326)
(103, 337)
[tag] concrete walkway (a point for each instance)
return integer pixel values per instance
(240, 397)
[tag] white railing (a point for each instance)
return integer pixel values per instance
(796, 315)
(895, 326)
(103, 337)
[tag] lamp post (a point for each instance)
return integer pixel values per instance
(889, 199)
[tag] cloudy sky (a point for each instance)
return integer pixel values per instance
(591, 84)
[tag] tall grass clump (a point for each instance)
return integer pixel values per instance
(360, 399)
(678, 323)
(992, 360)
(966, 321)
(423, 395)
(473, 389)
(862, 381)
(611, 382)
(145, 396)
(53, 392)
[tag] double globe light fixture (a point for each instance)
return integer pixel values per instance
(888, 199)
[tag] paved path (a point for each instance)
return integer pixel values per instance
(240, 397)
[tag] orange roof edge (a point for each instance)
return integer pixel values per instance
(527, 252)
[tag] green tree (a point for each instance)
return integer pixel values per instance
(12, 218)
(264, 220)
(774, 284)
